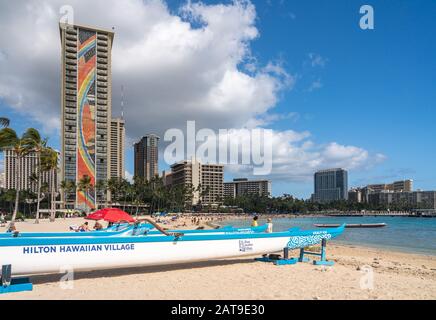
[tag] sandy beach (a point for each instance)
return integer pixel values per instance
(394, 275)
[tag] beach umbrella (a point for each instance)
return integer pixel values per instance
(111, 215)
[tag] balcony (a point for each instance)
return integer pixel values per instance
(71, 62)
(102, 55)
(71, 37)
(70, 135)
(101, 78)
(71, 49)
(102, 42)
(101, 114)
(71, 79)
(71, 67)
(71, 98)
(101, 90)
(71, 31)
(101, 60)
(101, 72)
(70, 142)
(70, 111)
(101, 96)
(102, 50)
(102, 66)
(71, 92)
(71, 43)
(101, 84)
(72, 86)
(71, 55)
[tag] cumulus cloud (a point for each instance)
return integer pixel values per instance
(173, 66)
(295, 157)
(194, 63)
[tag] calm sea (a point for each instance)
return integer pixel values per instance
(401, 233)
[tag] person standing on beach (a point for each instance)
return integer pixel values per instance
(254, 222)
(269, 228)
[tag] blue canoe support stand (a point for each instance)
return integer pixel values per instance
(287, 260)
(9, 284)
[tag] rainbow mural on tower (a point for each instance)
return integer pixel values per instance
(86, 152)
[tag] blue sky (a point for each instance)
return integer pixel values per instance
(374, 89)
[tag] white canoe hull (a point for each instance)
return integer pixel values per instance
(78, 257)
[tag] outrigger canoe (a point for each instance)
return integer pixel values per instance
(125, 230)
(56, 254)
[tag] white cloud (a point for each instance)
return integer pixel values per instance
(173, 67)
(317, 84)
(128, 176)
(296, 157)
(317, 60)
(193, 65)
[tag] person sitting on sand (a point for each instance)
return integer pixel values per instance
(98, 226)
(269, 228)
(84, 227)
(254, 222)
(11, 228)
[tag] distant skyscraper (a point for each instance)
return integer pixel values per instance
(117, 148)
(146, 157)
(86, 108)
(331, 185)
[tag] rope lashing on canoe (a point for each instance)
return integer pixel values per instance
(174, 234)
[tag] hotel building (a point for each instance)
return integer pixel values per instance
(193, 174)
(241, 187)
(146, 154)
(86, 103)
(19, 176)
(330, 185)
(118, 135)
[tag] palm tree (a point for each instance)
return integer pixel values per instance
(4, 122)
(85, 185)
(102, 186)
(113, 186)
(49, 163)
(38, 145)
(20, 146)
(67, 187)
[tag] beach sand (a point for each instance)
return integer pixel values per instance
(395, 276)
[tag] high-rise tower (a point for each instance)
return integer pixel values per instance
(86, 109)
(146, 157)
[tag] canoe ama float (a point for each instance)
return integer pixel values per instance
(57, 254)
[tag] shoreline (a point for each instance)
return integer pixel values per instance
(393, 275)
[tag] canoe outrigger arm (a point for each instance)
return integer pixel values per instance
(174, 234)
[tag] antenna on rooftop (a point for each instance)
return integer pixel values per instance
(122, 102)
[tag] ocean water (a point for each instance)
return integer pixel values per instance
(401, 233)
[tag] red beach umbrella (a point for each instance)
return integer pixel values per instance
(111, 215)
